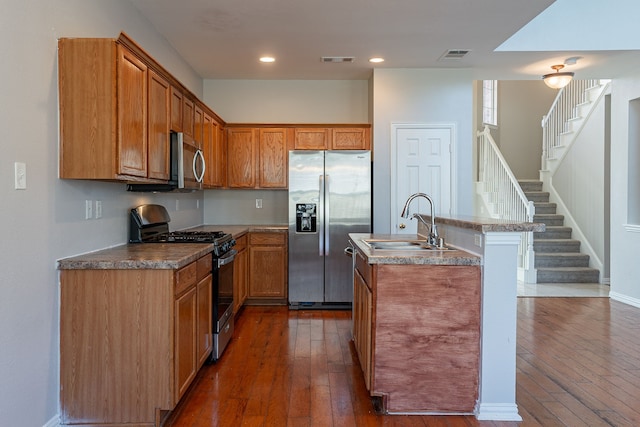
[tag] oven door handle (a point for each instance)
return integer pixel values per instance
(227, 258)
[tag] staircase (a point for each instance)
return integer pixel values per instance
(557, 256)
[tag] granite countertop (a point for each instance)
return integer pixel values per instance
(157, 255)
(239, 230)
(138, 256)
(453, 256)
(485, 225)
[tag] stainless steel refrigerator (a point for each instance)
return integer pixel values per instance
(329, 197)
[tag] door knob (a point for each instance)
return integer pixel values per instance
(402, 226)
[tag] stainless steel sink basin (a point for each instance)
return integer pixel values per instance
(401, 245)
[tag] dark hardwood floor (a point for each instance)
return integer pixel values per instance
(578, 364)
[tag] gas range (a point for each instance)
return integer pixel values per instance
(150, 224)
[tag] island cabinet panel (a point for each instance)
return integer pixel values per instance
(427, 337)
(362, 322)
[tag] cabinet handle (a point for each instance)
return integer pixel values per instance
(321, 216)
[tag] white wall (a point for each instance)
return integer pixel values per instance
(580, 183)
(46, 222)
(521, 105)
(625, 237)
(276, 101)
(421, 96)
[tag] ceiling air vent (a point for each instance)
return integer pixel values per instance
(338, 59)
(454, 54)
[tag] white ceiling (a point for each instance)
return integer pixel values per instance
(223, 39)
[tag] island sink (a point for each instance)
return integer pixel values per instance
(402, 245)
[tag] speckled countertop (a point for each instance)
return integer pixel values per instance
(485, 225)
(156, 255)
(138, 255)
(427, 257)
(239, 230)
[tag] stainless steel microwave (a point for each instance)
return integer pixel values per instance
(187, 167)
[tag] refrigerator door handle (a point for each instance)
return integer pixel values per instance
(325, 223)
(320, 214)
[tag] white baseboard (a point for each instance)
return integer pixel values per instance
(53, 422)
(498, 412)
(635, 302)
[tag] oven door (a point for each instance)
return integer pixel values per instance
(223, 289)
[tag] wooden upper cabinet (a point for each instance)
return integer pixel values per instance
(242, 150)
(188, 114)
(132, 114)
(350, 139)
(273, 158)
(158, 126)
(198, 123)
(215, 153)
(111, 111)
(311, 138)
(176, 109)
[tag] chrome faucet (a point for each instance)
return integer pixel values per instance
(433, 231)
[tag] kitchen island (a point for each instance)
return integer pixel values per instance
(495, 244)
(416, 326)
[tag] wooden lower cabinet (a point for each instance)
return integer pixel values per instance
(131, 342)
(240, 274)
(416, 329)
(268, 265)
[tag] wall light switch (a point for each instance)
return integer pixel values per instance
(477, 239)
(20, 175)
(258, 203)
(98, 209)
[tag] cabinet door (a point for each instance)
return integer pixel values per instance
(241, 157)
(273, 157)
(176, 109)
(349, 139)
(362, 316)
(214, 148)
(267, 265)
(311, 138)
(198, 124)
(188, 114)
(204, 325)
(185, 344)
(132, 114)
(158, 126)
(240, 280)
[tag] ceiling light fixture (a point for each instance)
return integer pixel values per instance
(267, 59)
(376, 60)
(558, 79)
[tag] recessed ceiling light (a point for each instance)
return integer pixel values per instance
(376, 60)
(267, 59)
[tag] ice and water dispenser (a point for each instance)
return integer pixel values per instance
(306, 217)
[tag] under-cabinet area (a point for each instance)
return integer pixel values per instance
(416, 328)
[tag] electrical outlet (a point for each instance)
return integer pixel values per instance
(477, 239)
(98, 209)
(88, 209)
(258, 203)
(20, 176)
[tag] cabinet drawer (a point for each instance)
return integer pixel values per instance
(203, 266)
(278, 239)
(185, 278)
(241, 243)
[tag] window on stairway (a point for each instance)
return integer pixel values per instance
(490, 102)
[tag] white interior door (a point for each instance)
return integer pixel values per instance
(421, 162)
